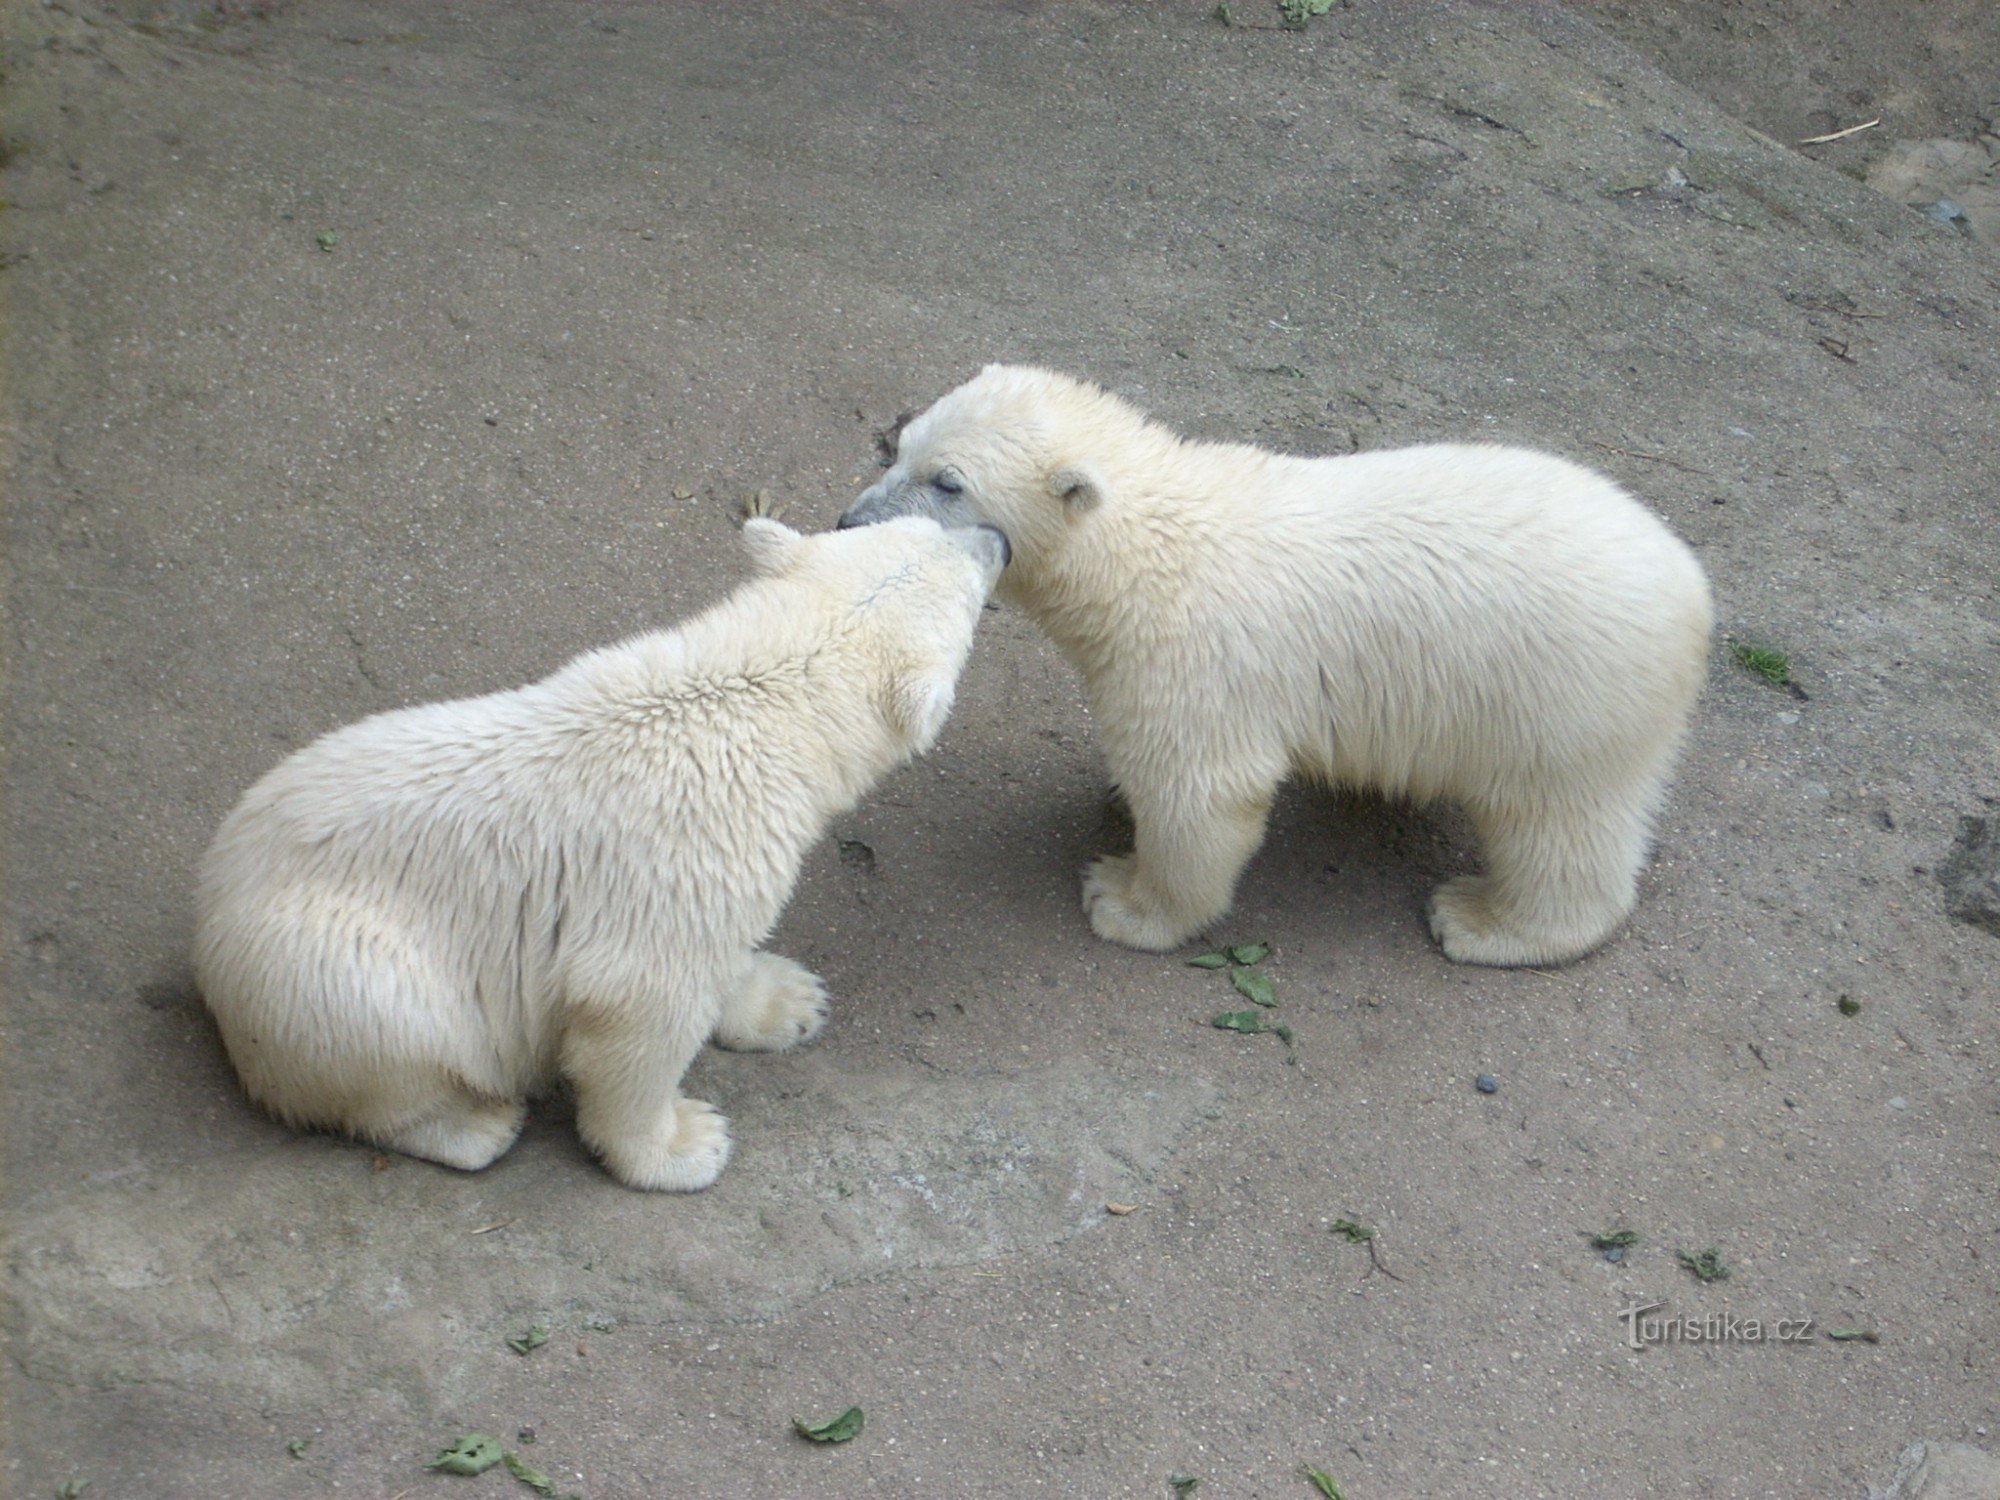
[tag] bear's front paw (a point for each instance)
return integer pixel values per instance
(1110, 903)
(778, 1005)
(687, 1151)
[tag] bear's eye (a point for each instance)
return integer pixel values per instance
(950, 481)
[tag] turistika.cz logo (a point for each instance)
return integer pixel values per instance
(1710, 1328)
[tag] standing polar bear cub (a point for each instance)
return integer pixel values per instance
(416, 922)
(1486, 624)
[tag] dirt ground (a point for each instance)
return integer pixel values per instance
(360, 354)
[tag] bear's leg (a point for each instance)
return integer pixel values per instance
(1181, 873)
(626, 1061)
(776, 1004)
(1557, 883)
(470, 1131)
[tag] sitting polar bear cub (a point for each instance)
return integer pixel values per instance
(1487, 624)
(414, 923)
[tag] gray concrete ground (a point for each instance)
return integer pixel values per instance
(361, 354)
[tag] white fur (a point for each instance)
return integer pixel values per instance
(1486, 624)
(412, 925)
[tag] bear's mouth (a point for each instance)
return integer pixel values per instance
(1006, 547)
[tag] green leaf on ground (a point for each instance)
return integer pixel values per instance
(838, 1430)
(1773, 666)
(1616, 1239)
(474, 1453)
(1249, 1022)
(1256, 988)
(1247, 954)
(1847, 1006)
(1359, 1234)
(529, 1475)
(1209, 961)
(297, 1447)
(533, 1339)
(1323, 1482)
(1183, 1485)
(70, 1489)
(1706, 1266)
(326, 241)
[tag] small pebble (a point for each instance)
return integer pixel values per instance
(1614, 1253)
(1948, 213)
(1486, 1083)
(1899, 1102)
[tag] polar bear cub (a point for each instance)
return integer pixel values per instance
(1486, 624)
(420, 920)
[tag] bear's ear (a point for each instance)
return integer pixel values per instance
(768, 544)
(1080, 487)
(919, 703)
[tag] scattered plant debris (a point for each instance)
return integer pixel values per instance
(326, 242)
(1613, 1244)
(1183, 1485)
(1259, 989)
(838, 1429)
(527, 1342)
(1854, 1335)
(529, 1475)
(1706, 1266)
(1298, 12)
(297, 1446)
(1256, 988)
(1120, 1210)
(1238, 955)
(69, 1489)
(1847, 1006)
(1356, 1233)
(1251, 1023)
(1323, 1482)
(474, 1453)
(1773, 666)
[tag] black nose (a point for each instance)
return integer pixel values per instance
(846, 521)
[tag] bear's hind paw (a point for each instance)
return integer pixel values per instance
(1470, 931)
(692, 1154)
(470, 1135)
(1107, 893)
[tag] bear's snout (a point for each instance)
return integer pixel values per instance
(872, 505)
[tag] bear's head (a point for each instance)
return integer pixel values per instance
(1014, 447)
(908, 594)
